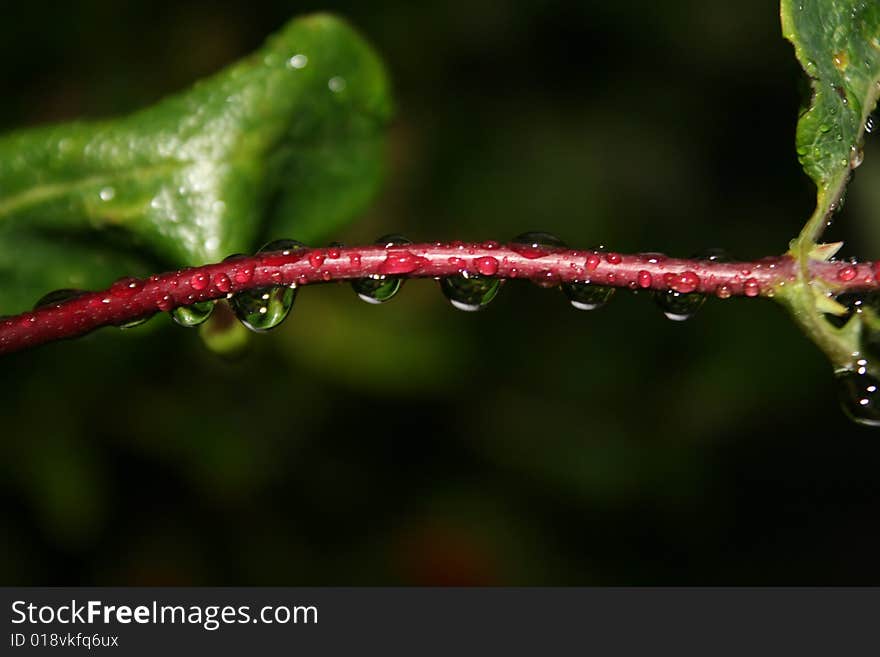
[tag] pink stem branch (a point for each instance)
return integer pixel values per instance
(129, 299)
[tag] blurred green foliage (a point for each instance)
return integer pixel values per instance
(288, 138)
(412, 443)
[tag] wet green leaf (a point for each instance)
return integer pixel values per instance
(838, 44)
(285, 143)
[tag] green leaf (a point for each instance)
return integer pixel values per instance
(838, 44)
(285, 143)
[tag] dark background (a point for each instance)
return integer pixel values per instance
(414, 444)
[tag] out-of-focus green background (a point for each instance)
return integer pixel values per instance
(415, 444)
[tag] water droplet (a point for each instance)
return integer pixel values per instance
(298, 61)
(678, 306)
(166, 303)
(614, 258)
(242, 274)
(136, 321)
(285, 247)
(871, 124)
(546, 278)
(281, 252)
(199, 281)
(585, 296)
(858, 391)
(713, 255)
(470, 292)
(644, 279)
(856, 157)
(846, 273)
(393, 240)
(592, 262)
(680, 302)
(57, 297)
(684, 282)
(487, 265)
(107, 193)
(222, 282)
(855, 303)
(336, 84)
(316, 259)
(264, 308)
(401, 262)
(380, 288)
(192, 315)
(377, 289)
(126, 287)
(652, 258)
(723, 292)
(536, 244)
(751, 288)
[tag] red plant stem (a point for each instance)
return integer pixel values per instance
(129, 299)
